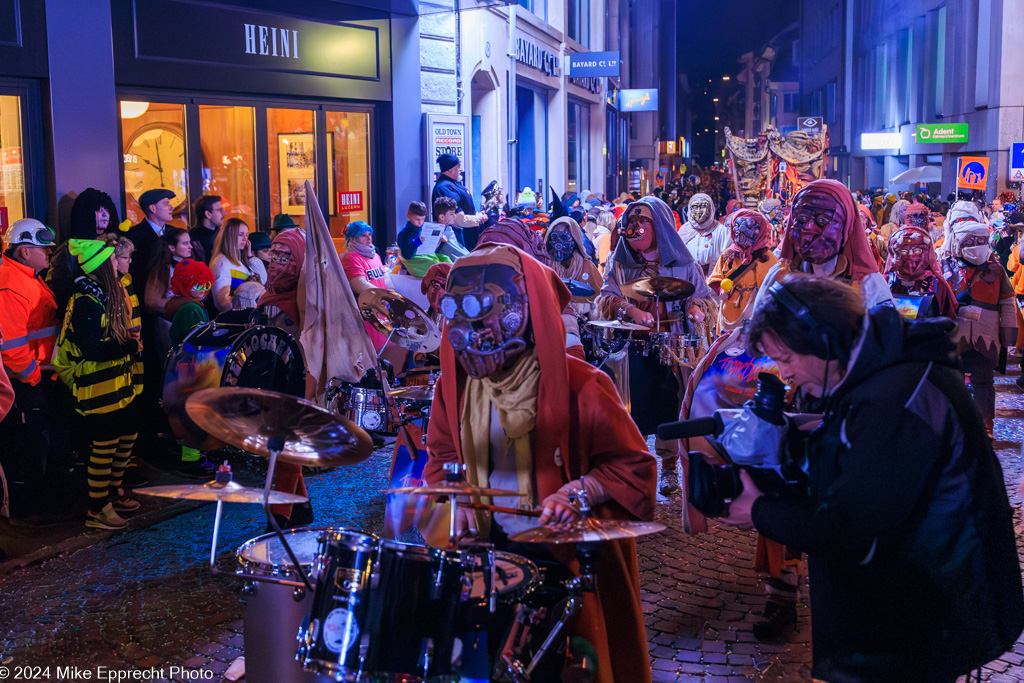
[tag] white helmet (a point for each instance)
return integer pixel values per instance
(29, 232)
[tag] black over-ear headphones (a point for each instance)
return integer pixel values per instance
(824, 336)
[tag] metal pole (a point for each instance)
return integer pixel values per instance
(513, 127)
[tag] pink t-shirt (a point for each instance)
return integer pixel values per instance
(356, 265)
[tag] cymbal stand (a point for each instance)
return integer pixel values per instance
(275, 445)
(223, 478)
(577, 587)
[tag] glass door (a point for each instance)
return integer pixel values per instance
(13, 199)
(291, 146)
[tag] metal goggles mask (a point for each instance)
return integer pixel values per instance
(560, 246)
(637, 225)
(488, 314)
(745, 232)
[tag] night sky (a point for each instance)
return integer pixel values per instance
(712, 36)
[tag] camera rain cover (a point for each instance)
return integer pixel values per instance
(750, 440)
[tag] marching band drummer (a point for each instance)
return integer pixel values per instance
(521, 415)
(652, 248)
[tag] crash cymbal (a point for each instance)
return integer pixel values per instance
(457, 488)
(666, 288)
(617, 325)
(577, 288)
(214, 491)
(246, 418)
(389, 311)
(585, 530)
(423, 393)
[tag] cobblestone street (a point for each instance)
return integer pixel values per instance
(146, 597)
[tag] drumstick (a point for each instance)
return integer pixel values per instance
(500, 508)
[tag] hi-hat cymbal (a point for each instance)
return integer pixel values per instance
(423, 393)
(456, 488)
(585, 530)
(577, 288)
(618, 325)
(247, 418)
(391, 312)
(666, 288)
(212, 491)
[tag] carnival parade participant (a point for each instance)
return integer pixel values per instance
(913, 566)
(742, 266)
(704, 236)
(96, 348)
(915, 276)
(521, 415)
(871, 232)
(773, 210)
(649, 246)
(986, 317)
(961, 211)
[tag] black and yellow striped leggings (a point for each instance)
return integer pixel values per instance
(108, 459)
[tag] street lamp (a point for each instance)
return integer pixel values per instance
(725, 78)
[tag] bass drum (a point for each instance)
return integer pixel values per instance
(219, 355)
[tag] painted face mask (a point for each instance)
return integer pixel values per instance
(910, 251)
(700, 210)
(816, 227)
(974, 249)
(745, 232)
(560, 246)
(918, 219)
(488, 315)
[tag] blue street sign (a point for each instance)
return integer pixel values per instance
(587, 64)
(1017, 161)
(638, 100)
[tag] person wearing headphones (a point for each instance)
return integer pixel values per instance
(905, 521)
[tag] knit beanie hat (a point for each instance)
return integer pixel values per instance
(447, 162)
(90, 253)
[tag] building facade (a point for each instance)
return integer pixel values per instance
(897, 65)
(241, 100)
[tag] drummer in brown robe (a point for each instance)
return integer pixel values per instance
(522, 415)
(649, 246)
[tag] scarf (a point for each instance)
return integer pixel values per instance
(367, 250)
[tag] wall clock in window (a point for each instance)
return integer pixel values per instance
(154, 156)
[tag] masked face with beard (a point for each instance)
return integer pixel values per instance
(700, 210)
(816, 227)
(560, 244)
(488, 317)
(745, 232)
(973, 249)
(910, 249)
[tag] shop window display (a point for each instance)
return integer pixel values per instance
(291, 140)
(227, 136)
(348, 144)
(153, 136)
(12, 166)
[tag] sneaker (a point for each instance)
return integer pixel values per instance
(125, 504)
(105, 519)
(778, 616)
(134, 477)
(668, 483)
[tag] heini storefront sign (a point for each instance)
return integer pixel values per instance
(942, 132)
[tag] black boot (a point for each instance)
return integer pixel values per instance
(302, 515)
(777, 617)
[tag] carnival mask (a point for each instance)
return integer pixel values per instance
(700, 210)
(560, 245)
(918, 219)
(910, 254)
(745, 232)
(974, 249)
(816, 227)
(488, 315)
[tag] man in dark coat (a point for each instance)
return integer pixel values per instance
(156, 206)
(467, 219)
(209, 213)
(909, 534)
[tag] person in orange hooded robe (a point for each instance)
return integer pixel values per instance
(524, 415)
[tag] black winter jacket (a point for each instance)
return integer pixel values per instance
(909, 535)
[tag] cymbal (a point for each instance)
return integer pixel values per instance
(585, 530)
(389, 311)
(212, 491)
(246, 418)
(457, 488)
(617, 325)
(577, 288)
(667, 288)
(423, 393)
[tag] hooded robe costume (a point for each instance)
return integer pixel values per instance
(745, 268)
(928, 296)
(705, 240)
(570, 424)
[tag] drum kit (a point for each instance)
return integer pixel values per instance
(337, 603)
(673, 350)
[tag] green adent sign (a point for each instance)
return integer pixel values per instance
(942, 132)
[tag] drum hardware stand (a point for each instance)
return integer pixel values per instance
(577, 587)
(222, 477)
(275, 444)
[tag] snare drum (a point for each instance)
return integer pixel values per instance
(414, 612)
(274, 612)
(366, 407)
(678, 350)
(515, 576)
(334, 641)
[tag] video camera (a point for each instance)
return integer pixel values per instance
(752, 437)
